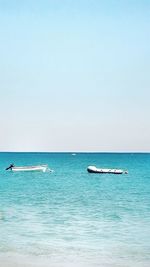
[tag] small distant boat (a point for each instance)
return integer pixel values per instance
(14, 168)
(93, 169)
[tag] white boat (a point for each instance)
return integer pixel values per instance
(42, 168)
(93, 169)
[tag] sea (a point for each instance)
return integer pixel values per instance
(68, 217)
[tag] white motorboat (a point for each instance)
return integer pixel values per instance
(42, 168)
(93, 169)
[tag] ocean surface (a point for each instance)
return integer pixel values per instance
(69, 217)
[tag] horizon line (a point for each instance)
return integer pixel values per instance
(94, 152)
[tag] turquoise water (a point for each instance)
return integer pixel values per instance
(72, 218)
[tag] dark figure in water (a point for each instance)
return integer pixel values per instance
(10, 167)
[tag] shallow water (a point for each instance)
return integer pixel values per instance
(72, 218)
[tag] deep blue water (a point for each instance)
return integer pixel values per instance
(72, 217)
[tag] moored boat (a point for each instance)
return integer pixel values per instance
(14, 168)
(93, 169)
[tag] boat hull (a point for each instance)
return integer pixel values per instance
(93, 169)
(42, 168)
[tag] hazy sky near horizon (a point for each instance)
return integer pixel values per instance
(74, 75)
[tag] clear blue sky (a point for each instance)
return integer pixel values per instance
(75, 75)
